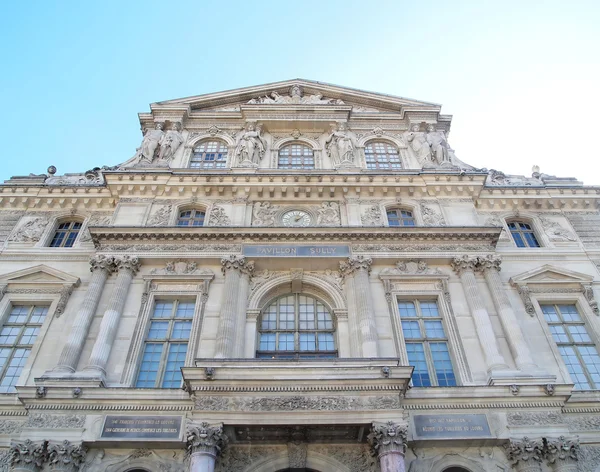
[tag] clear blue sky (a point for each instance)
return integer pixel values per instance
(522, 78)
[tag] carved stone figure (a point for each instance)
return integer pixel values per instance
(431, 217)
(340, 146)
(439, 146)
(264, 214)
(418, 143)
(218, 217)
(251, 147)
(372, 216)
(31, 231)
(328, 214)
(150, 143)
(170, 142)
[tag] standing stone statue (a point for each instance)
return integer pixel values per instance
(251, 147)
(150, 142)
(170, 142)
(340, 147)
(418, 143)
(439, 146)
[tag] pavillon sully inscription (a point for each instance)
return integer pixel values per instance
(279, 250)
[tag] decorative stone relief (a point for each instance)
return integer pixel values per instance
(295, 98)
(236, 262)
(30, 231)
(250, 146)
(355, 263)
(181, 267)
(170, 142)
(131, 263)
(341, 146)
(355, 457)
(28, 454)
(218, 217)
(561, 450)
(431, 217)
(11, 426)
(297, 453)
(65, 294)
(90, 177)
(589, 458)
(526, 418)
(555, 231)
(95, 220)
(263, 214)
(588, 293)
(5, 458)
(66, 456)
(328, 214)
(411, 268)
(462, 263)
(421, 247)
(388, 437)
(583, 423)
(238, 458)
(205, 438)
(524, 450)
(372, 216)
(333, 276)
(261, 277)
(161, 216)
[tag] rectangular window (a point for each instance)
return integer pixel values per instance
(17, 337)
(574, 344)
(166, 344)
(426, 343)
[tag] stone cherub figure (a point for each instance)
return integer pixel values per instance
(251, 146)
(340, 146)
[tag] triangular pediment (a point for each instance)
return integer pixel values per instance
(39, 275)
(313, 93)
(551, 274)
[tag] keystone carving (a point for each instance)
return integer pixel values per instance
(387, 438)
(236, 262)
(355, 263)
(205, 438)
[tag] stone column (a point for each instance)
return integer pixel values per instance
(28, 456)
(204, 444)
(465, 267)
(127, 267)
(101, 268)
(490, 266)
(525, 455)
(359, 268)
(66, 457)
(388, 443)
(562, 454)
(232, 317)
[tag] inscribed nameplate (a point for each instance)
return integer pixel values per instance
(451, 426)
(308, 250)
(142, 427)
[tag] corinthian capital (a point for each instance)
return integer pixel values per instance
(102, 262)
(205, 438)
(355, 263)
(464, 263)
(236, 262)
(28, 455)
(489, 262)
(562, 451)
(131, 263)
(524, 450)
(66, 456)
(387, 438)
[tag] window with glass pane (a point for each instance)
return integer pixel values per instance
(522, 234)
(296, 156)
(382, 156)
(209, 155)
(190, 218)
(426, 343)
(17, 337)
(399, 217)
(66, 234)
(296, 326)
(166, 344)
(574, 344)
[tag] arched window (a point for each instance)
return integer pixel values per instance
(191, 217)
(400, 217)
(209, 155)
(296, 326)
(380, 155)
(522, 234)
(296, 156)
(456, 469)
(66, 234)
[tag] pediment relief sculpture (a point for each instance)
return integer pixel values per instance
(295, 97)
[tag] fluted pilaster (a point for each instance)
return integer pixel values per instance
(490, 266)
(465, 267)
(101, 267)
(358, 268)
(127, 267)
(237, 271)
(204, 444)
(388, 443)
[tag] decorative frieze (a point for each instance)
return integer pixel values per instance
(526, 418)
(47, 421)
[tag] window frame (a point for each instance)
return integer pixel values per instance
(303, 145)
(377, 167)
(533, 230)
(297, 352)
(194, 210)
(399, 210)
(206, 140)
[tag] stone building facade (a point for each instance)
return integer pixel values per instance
(298, 276)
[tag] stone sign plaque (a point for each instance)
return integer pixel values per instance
(451, 426)
(141, 427)
(308, 250)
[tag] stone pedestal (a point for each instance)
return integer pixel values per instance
(358, 268)
(204, 444)
(101, 267)
(232, 319)
(127, 267)
(465, 267)
(388, 443)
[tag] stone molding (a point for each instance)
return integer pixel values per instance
(237, 262)
(388, 438)
(204, 438)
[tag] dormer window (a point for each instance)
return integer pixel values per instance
(523, 234)
(66, 234)
(380, 155)
(209, 155)
(296, 156)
